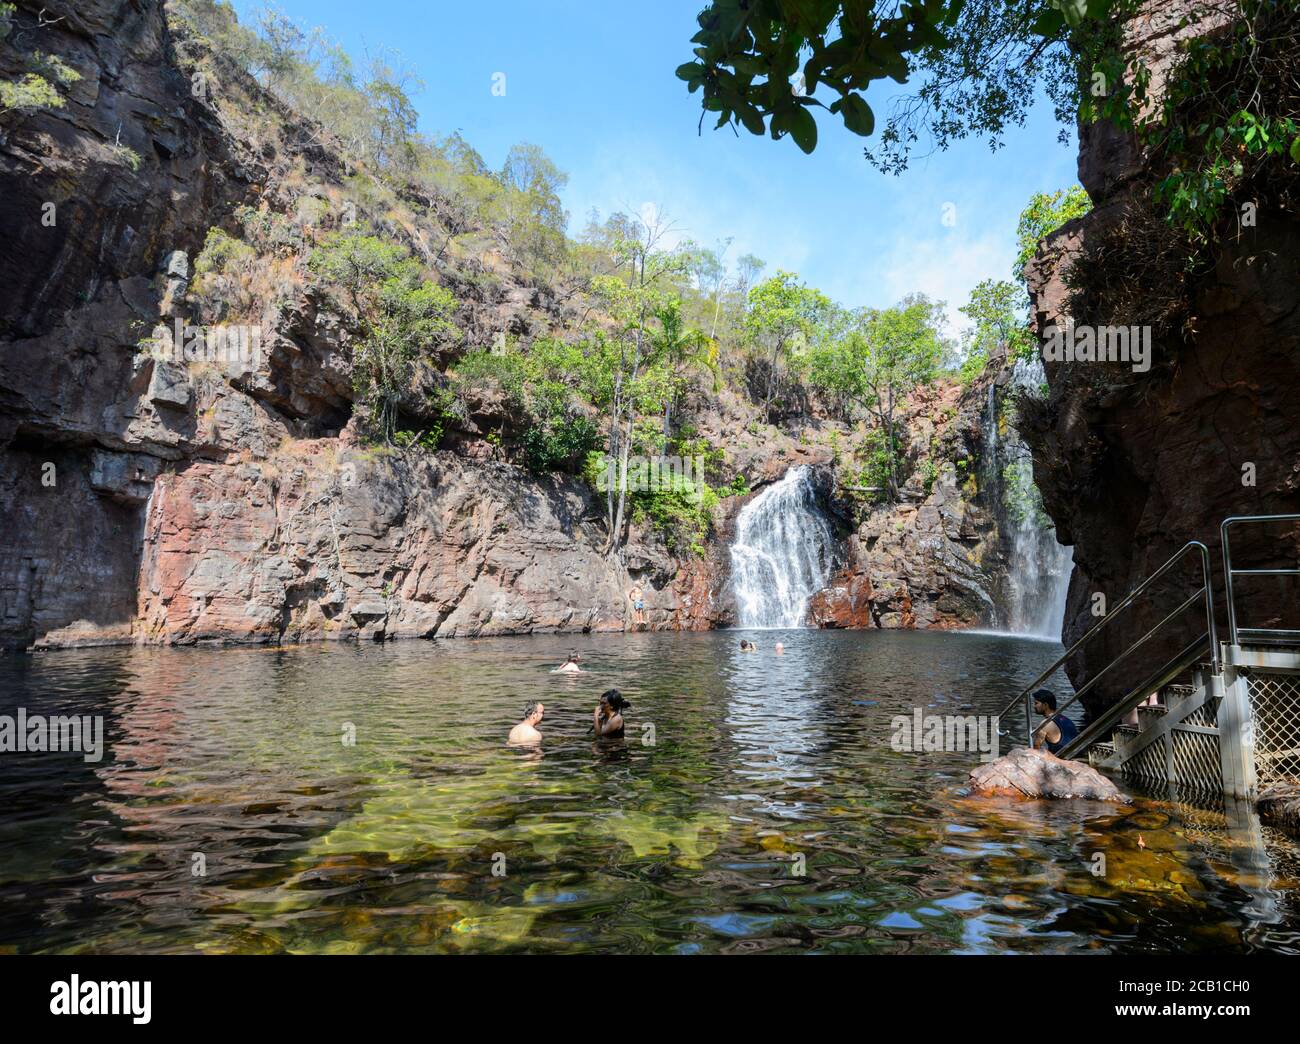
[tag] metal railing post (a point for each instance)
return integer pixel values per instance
(1262, 634)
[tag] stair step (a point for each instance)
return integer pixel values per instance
(1172, 693)
(1100, 753)
(1148, 711)
(1122, 735)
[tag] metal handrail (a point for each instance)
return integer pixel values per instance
(1154, 682)
(1206, 592)
(1260, 634)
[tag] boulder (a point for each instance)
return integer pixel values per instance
(1279, 806)
(1037, 774)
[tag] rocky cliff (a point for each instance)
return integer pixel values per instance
(1134, 464)
(156, 500)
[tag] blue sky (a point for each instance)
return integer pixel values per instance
(591, 81)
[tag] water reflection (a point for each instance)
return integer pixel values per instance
(756, 804)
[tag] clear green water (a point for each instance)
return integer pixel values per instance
(686, 845)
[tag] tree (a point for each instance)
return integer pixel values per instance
(401, 315)
(535, 219)
(997, 310)
(679, 347)
(760, 63)
(783, 313)
(1043, 215)
(632, 362)
(875, 358)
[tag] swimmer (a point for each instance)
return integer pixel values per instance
(525, 734)
(780, 649)
(569, 666)
(607, 718)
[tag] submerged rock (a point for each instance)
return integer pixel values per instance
(1279, 806)
(1037, 774)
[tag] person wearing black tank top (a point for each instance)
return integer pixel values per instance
(608, 717)
(1057, 730)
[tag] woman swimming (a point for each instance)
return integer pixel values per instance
(607, 718)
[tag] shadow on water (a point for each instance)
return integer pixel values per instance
(756, 803)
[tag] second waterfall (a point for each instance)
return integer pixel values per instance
(782, 555)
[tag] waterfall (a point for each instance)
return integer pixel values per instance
(782, 555)
(1038, 580)
(1038, 568)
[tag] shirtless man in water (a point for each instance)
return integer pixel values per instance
(525, 734)
(569, 666)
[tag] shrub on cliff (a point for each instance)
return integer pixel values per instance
(402, 317)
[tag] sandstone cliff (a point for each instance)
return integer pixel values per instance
(160, 501)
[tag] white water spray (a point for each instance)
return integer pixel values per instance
(1038, 577)
(782, 555)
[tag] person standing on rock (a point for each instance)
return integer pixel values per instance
(1057, 730)
(526, 734)
(638, 605)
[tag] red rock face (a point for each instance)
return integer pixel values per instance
(325, 546)
(846, 602)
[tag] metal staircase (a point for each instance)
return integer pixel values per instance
(1215, 719)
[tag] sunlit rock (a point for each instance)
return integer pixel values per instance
(1038, 774)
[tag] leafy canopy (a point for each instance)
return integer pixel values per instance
(760, 63)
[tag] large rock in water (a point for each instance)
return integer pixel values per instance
(1038, 774)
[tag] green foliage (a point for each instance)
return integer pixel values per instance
(760, 63)
(38, 88)
(403, 317)
(532, 214)
(221, 254)
(930, 471)
(877, 467)
(1020, 495)
(1043, 215)
(783, 318)
(997, 310)
(546, 384)
(1229, 114)
(874, 358)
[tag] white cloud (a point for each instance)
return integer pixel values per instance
(944, 267)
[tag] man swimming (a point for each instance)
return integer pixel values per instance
(525, 734)
(569, 666)
(607, 718)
